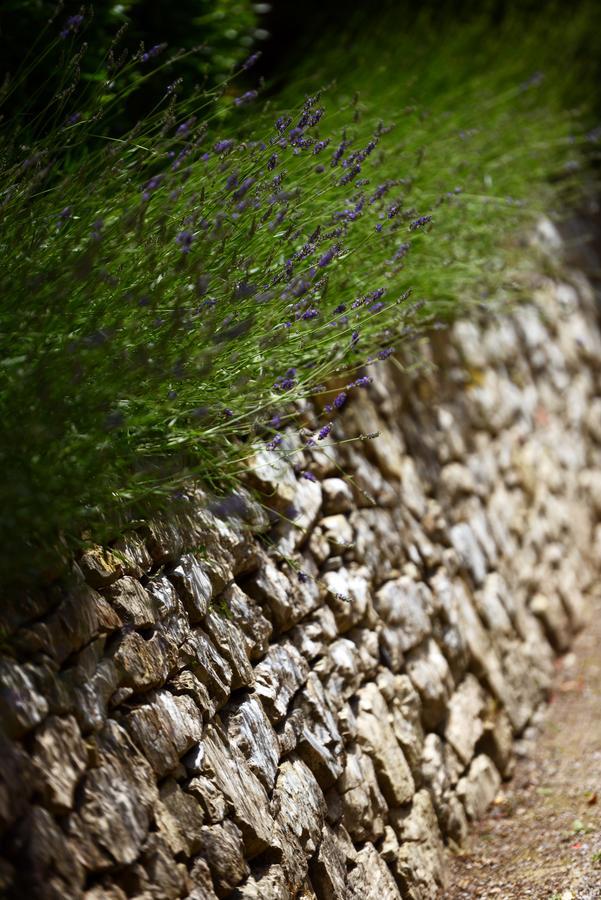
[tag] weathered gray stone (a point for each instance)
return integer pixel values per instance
(164, 728)
(269, 883)
(371, 878)
(21, 706)
(229, 641)
(286, 602)
(167, 879)
(222, 848)
(406, 608)
(300, 812)
(464, 723)
(364, 809)
(347, 595)
(60, 757)
(419, 862)
(328, 868)
(246, 613)
(320, 743)
(144, 663)
(469, 552)
(278, 676)
(179, 818)
(200, 655)
(135, 605)
(193, 586)
(479, 787)
(251, 731)
(210, 798)
(338, 496)
(246, 796)
(116, 803)
(429, 671)
(375, 735)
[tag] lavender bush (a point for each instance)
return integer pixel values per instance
(172, 294)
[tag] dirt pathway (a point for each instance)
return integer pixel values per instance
(542, 839)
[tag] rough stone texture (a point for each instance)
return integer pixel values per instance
(184, 725)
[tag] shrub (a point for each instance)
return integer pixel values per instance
(171, 295)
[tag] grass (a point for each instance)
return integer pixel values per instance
(172, 295)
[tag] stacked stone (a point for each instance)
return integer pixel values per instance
(231, 708)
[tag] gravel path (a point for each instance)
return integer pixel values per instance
(543, 837)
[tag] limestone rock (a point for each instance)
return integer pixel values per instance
(419, 862)
(246, 796)
(251, 731)
(247, 615)
(375, 735)
(21, 706)
(364, 809)
(300, 812)
(60, 757)
(179, 819)
(132, 602)
(429, 671)
(278, 676)
(371, 878)
(222, 848)
(193, 586)
(348, 595)
(115, 808)
(479, 787)
(406, 608)
(338, 496)
(464, 724)
(164, 728)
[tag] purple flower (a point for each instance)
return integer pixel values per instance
(354, 338)
(272, 162)
(64, 215)
(245, 98)
(340, 400)
(303, 577)
(310, 314)
(282, 123)
(328, 256)
(363, 381)
(284, 384)
(379, 226)
(252, 59)
(228, 413)
(223, 146)
(401, 251)
(275, 421)
(328, 407)
(309, 476)
(419, 223)
(274, 442)
(185, 127)
(319, 146)
(71, 26)
(184, 240)
(153, 52)
(340, 308)
(324, 432)
(151, 185)
(384, 354)
(97, 227)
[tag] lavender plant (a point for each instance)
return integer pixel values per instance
(171, 295)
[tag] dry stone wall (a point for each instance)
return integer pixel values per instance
(225, 706)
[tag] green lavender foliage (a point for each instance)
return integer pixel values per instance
(171, 294)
